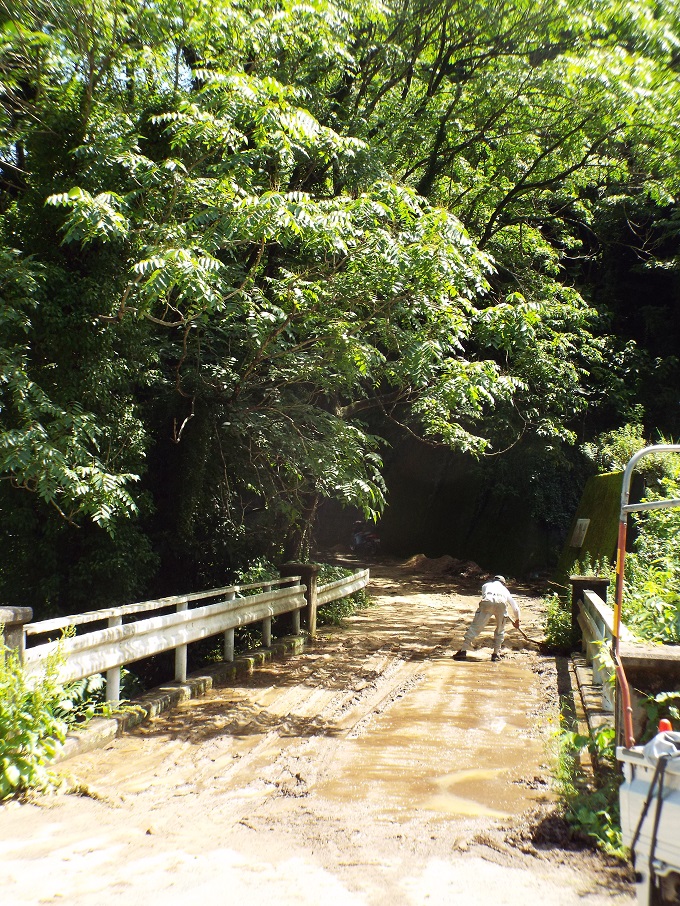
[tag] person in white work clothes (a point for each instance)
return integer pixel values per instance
(496, 602)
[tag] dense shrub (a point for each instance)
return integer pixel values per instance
(31, 733)
(651, 606)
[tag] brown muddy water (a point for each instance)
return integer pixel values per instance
(463, 742)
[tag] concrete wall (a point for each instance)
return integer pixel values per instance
(445, 503)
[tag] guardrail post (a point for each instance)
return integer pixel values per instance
(181, 653)
(579, 584)
(12, 622)
(113, 675)
(267, 632)
(267, 625)
(229, 634)
(288, 623)
(308, 573)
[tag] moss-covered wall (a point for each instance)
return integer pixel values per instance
(601, 505)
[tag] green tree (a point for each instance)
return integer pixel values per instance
(239, 236)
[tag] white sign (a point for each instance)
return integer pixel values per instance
(579, 534)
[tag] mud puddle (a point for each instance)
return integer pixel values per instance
(437, 749)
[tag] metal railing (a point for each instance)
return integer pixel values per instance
(596, 620)
(342, 588)
(131, 633)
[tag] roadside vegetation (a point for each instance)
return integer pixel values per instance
(37, 713)
(31, 732)
(651, 610)
(248, 638)
(332, 613)
(244, 245)
(590, 795)
(651, 604)
(651, 599)
(651, 596)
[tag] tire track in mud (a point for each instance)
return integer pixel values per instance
(250, 734)
(245, 736)
(326, 777)
(297, 731)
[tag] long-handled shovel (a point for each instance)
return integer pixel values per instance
(542, 647)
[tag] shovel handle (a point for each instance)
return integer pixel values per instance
(526, 637)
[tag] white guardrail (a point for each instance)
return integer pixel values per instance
(342, 588)
(131, 634)
(596, 620)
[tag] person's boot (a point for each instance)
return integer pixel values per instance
(496, 656)
(460, 655)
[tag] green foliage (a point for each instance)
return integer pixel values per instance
(559, 635)
(84, 699)
(333, 613)
(651, 605)
(238, 240)
(47, 448)
(591, 808)
(661, 705)
(611, 452)
(593, 566)
(259, 570)
(31, 731)
(651, 601)
(492, 113)
(81, 699)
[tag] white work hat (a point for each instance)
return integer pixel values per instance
(500, 579)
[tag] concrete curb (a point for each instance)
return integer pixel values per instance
(584, 714)
(100, 731)
(596, 715)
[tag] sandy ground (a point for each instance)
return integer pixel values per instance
(371, 769)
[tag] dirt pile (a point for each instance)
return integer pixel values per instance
(444, 566)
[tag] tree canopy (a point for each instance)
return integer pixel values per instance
(237, 238)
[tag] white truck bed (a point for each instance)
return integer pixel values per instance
(660, 882)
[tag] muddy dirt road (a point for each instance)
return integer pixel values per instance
(371, 769)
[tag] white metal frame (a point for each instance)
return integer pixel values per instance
(625, 509)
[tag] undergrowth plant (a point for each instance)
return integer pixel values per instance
(333, 613)
(330, 614)
(559, 634)
(651, 605)
(591, 805)
(592, 566)
(661, 705)
(84, 699)
(651, 600)
(36, 713)
(31, 730)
